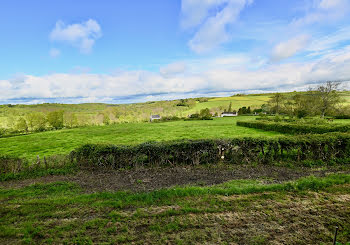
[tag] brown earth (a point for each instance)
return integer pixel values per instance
(148, 179)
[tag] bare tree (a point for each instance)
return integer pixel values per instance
(327, 96)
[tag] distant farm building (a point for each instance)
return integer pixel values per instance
(229, 114)
(155, 117)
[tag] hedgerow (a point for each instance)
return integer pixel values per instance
(321, 149)
(294, 128)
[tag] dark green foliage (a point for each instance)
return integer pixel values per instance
(205, 114)
(294, 128)
(298, 149)
(244, 110)
(257, 111)
(301, 113)
(342, 117)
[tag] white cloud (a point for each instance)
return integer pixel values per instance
(213, 17)
(329, 42)
(172, 69)
(204, 80)
(81, 35)
(289, 48)
(54, 52)
(323, 11)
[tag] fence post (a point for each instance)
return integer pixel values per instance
(335, 235)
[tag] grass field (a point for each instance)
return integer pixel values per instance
(254, 101)
(63, 141)
(207, 204)
(237, 212)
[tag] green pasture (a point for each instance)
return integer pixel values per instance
(63, 141)
(254, 101)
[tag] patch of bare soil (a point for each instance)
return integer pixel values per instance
(148, 179)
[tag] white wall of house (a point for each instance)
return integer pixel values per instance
(229, 115)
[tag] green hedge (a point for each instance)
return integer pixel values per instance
(311, 149)
(293, 128)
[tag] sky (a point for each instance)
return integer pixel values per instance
(83, 51)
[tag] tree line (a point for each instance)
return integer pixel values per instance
(323, 100)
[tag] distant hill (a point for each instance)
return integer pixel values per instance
(93, 113)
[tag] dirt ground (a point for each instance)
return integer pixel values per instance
(148, 179)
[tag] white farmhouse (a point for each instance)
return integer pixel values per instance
(229, 114)
(155, 117)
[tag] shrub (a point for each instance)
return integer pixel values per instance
(205, 114)
(21, 125)
(294, 128)
(55, 119)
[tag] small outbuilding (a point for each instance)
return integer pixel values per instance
(155, 117)
(229, 114)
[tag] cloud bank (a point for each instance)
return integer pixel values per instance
(178, 82)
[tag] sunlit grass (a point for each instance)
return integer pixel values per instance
(64, 141)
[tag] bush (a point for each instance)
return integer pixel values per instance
(294, 128)
(203, 115)
(55, 119)
(21, 125)
(169, 119)
(296, 149)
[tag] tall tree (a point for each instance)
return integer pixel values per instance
(230, 107)
(276, 102)
(327, 96)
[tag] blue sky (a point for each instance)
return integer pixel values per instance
(129, 51)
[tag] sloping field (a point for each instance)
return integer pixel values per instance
(254, 101)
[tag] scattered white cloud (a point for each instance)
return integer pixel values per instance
(54, 52)
(81, 35)
(213, 19)
(289, 48)
(200, 81)
(329, 42)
